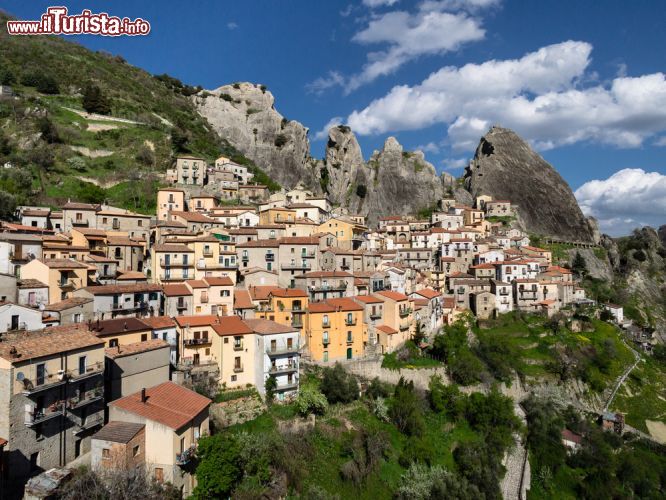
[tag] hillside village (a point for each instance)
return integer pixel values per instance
(109, 318)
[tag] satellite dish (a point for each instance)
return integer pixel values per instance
(20, 377)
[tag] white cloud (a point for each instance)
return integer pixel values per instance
(324, 83)
(435, 28)
(409, 36)
(629, 198)
(541, 95)
(661, 141)
(431, 147)
(454, 164)
(232, 25)
(323, 133)
(379, 3)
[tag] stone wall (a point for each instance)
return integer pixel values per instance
(236, 411)
(368, 369)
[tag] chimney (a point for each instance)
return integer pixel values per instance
(143, 395)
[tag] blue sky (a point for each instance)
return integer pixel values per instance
(581, 80)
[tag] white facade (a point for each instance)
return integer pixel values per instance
(14, 317)
(277, 355)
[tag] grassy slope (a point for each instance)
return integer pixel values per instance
(134, 95)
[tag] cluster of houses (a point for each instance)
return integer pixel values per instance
(108, 316)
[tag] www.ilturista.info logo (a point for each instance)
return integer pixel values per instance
(56, 21)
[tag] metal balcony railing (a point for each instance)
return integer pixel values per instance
(201, 341)
(287, 368)
(279, 349)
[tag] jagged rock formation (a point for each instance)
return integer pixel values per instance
(393, 181)
(505, 167)
(244, 114)
(662, 234)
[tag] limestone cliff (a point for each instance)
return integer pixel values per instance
(393, 181)
(505, 167)
(244, 114)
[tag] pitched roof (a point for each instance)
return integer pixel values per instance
(197, 320)
(218, 281)
(47, 342)
(345, 304)
(267, 327)
(231, 325)
(135, 348)
(242, 299)
(172, 247)
(176, 290)
(118, 432)
(197, 283)
(157, 322)
(118, 325)
(392, 295)
(288, 292)
(168, 403)
(67, 303)
(64, 263)
(127, 288)
(327, 274)
(428, 293)
(131, 275)
(367, 299)
(193, 216)
(387, 329)
(261, 292)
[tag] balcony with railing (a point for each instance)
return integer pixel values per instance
(310, 254)
(208, 253)
(79, 222)
(282, 348)
(282, 369)
(375, 315)
(350, 321)
(67, 284)
(325, 287)
(288, 386)
(38, 415)
(403, 312)
(238, 368)
(404, 325)
(245, 258)
(326, 324)
(176, 262)
(325, 341)
(181, 306)
(297, 266)
(87, 371)
(129, 306)
(194, 342)
(297, 322)
(270, 257)
(238, 346)
(85, 398)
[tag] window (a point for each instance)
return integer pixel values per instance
(113, 343)
(159, 474)
(140, 223)
(82, 364)
(135, 451)
(350, 337)
(325, 356)
(106, 453)
(325, 320)
(41, 373)
(144, 337)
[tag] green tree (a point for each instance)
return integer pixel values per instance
(579, 266)
(405, 409)
(338, 385)
(48, 130)
(95, 101)
(270, 386)
(219, 469)
(7, 205)
(445, 398)
(311, 401)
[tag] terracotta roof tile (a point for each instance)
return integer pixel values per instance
(387, 329)
(135, 348)
(398, 297)
(197, 320)
(118, 432)
(128, 288)
(176, 290)
(242, 300)
(49, 341)
(219, 281)
(168, 403)
(157, 322)
(232, 325)
(267, 327)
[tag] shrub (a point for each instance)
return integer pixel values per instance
(145, 156)
(421, 482)
(339, 386)
(76, 163)
(445, 398)
(378, 389)
(311, 401)
(94, 100)
(43, 83)
(6, 77)
(640, 256)
(219, 469)
(270, 386)
(405, 409)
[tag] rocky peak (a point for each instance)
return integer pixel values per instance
(343, 161)
(391, 145)
(506, 167)
(244, 114)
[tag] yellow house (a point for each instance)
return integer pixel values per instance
(234, 348)
(195, 337)
(277, 215)
(168, 200)
(345, 230)
(63, 276)
(174, 418)
(398, 315)
(334, 330)
(286, 306)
